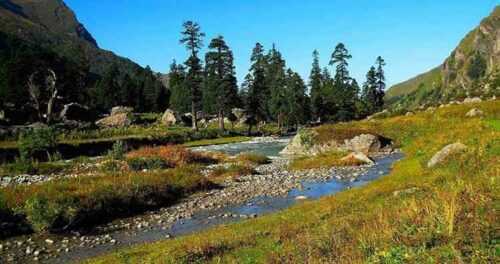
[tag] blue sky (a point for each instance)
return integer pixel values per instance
(412, 36)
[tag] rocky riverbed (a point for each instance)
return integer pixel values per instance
(271, 180)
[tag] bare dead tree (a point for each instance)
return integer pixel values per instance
(37, 92)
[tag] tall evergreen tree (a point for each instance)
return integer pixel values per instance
(192, 38)
(380, 79)
(296, 99)
(255, 81)
(369, 94)
(275, 85)
(221, 84)
(315, 84)
(180, 98)
(345, 97)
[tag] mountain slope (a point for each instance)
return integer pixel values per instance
(472, 69)
(36, 34)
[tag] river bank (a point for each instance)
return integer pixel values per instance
(270, 189)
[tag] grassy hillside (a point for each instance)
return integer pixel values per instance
(448, 214)
(470, 70)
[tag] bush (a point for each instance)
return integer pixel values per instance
(37, 140)
(20, 166)
(117, 152)
(41, 213)
(172, 155)
(252, 158)
(139, 164)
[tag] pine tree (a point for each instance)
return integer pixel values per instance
(380, 80)
(369, 94)
(315, 84)
(345, 97)
(192, 38)
(296, 99)
(221, 83)
(107, 91)
(255, 81)
(275, 85)
(180, 98)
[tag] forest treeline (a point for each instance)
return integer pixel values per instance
(270, 92)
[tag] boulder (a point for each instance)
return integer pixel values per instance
(121, 110)
(358, 158)
(238, 112)
(378, 115)
(301, 144)
(472, 100)
(444, 153)
(475, 113)
(365, 143)
(187, 119)
(117, 120)
(431, 109)
(75, 112)
(169, 118)
(409, 114)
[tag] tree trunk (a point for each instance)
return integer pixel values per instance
(50, 107)
(221, 120)
(194, 117)
(249, 133)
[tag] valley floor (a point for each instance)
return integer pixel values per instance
(447, 214)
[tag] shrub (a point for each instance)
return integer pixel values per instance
(139, 164)
(252, 158)
(41, 213)
(37, 140)
(20, 166)
(117, 152)
(172, 155)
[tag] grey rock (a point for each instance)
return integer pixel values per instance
(444, 153)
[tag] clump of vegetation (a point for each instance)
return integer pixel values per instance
(172, 155)
(36, 141)
(117, 152)
(323, 160)
(140, 164)
(451, 217)
(234, 171)
(83, 201)
(252, 159)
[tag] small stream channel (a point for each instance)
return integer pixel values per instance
(205, 219)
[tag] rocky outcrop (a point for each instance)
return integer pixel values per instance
(475, 113)
(365, 143)
(355, 158)
(446, 152)
(117, 121)
(472, 100)
(169, 118)
(301, 144)
(121, 110)
(304, 143)
(75, 112)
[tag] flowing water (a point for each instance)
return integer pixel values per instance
(258, 206)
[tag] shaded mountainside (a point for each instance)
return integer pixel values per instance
(46, 33)
(472, 69)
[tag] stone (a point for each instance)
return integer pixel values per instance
(365, 143)
(360, 157)
(472, 100)
(169, 118)
(378, 115)
(75, 112)
(431, 109)
(444, 153)
(301, 197)
(301, 143)
(117, 121)
(121, 110)
(475, 113)
(409, 114)
(187, 119)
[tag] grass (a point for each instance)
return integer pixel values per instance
(450, 216)
(252, 159)
(115, 188)
(234, 171)
(323, 160)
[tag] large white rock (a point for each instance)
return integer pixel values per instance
(169, 118)
(358, 157)
(472, 100)
(121, 110)
(474, 112)
(365, 143)
(117, 120)
(444, 153)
